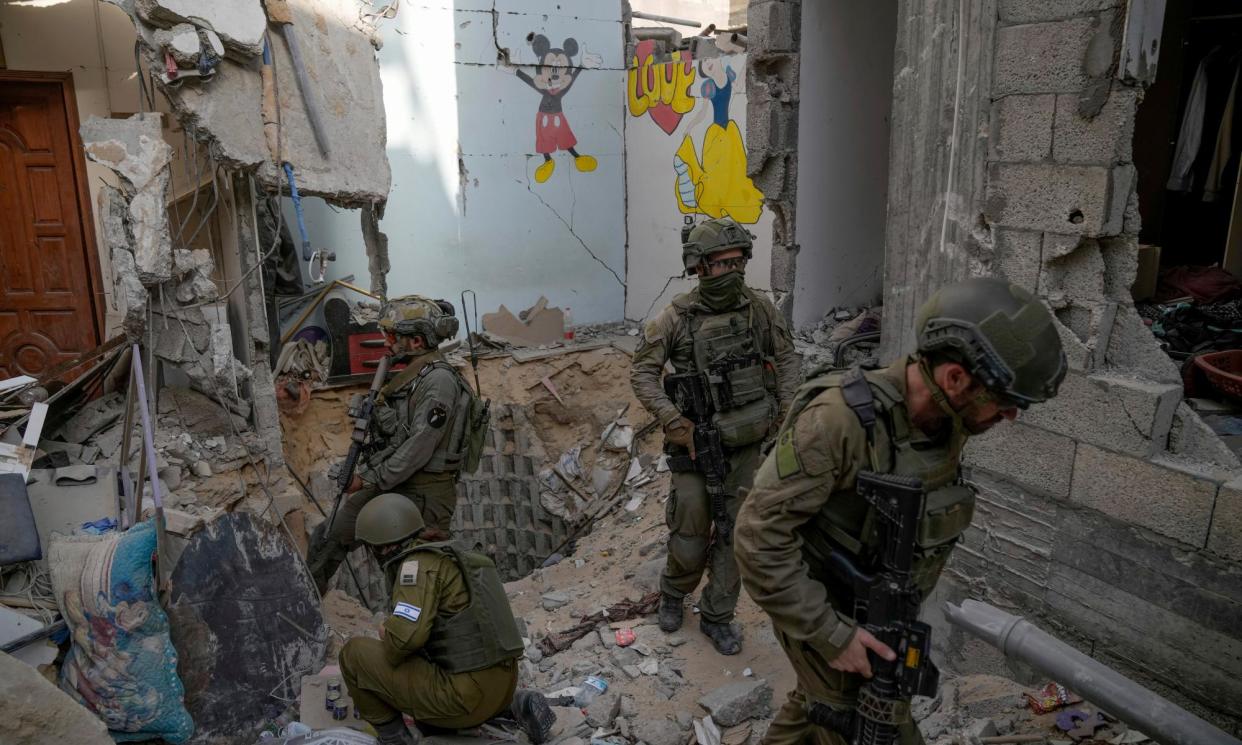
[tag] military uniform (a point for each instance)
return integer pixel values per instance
(804, 506)
(449, 653)
(692, 336)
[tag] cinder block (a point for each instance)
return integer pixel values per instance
(1035, 11)
(773, 26)
(1018, 256)
(1192, 439)
(1226, 536)
(1036, 459)
(1043, 57)
(1022, 128)
(1072, 200)
(1123, 414)
(1158, 496)
(1078, 274)
(1104, 139)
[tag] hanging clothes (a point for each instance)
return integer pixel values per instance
(1190, 136)
(1214, 183)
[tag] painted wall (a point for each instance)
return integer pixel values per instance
(843, 121)
(686, 159)
(474, 203)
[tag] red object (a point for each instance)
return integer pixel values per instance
(1050, 698)
(569, 325)
(552, 133)
(1223, 370)
(1206, 284)
(625, 637)
(359, 355)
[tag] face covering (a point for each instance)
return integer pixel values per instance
(722, 292)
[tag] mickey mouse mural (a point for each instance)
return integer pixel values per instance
(554, 76)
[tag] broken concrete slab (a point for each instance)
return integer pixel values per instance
(128, 292)
(181, 42)
(343, 67)
(36, 711)
(93, 417)
(136, 150)
(658, 732)
(239, 23)
(535, 326)
(734, 703)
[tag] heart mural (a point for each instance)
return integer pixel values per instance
(660, 89)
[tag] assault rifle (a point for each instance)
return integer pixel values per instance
(695, 394)
(886, 603)
(361, 413)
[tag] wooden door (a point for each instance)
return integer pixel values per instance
(49, 273)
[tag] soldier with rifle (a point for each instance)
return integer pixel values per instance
(856, 508)
(735, 372)
(413, 435)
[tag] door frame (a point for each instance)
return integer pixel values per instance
(86, 216)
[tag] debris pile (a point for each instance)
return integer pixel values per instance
(843, 337)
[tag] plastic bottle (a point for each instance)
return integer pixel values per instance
(591, 688)
(569, 326)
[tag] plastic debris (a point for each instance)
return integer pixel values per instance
(1051, 697)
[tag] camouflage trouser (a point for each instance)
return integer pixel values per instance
(692, 545)
(434, 494)
(419, 688)
(818, 682)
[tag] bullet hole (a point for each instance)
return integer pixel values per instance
(1076, 217)
(530, 37)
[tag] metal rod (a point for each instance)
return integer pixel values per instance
(665, 19)
(1019, 639)
(148, 451)
(308, 91)
(34, 636)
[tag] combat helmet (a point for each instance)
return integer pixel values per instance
(415, 315)
(388, 518)
(711, 236)
(1002, 333)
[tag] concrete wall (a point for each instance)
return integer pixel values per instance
(1110, 515)
(466, 209)
(660, 136)
(847, 73)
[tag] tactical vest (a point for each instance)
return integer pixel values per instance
(845, 523)
(393, 418)
(484, 633)
(726, 346)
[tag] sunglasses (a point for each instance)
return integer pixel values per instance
(725, 265)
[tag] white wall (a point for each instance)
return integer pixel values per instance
(655, 217)
(465, 209)
(843, 131)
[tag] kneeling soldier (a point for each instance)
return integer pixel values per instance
(448, 653)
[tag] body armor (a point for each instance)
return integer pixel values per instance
(392, 419)
(845, 522)
(484, 633)
(726, 348)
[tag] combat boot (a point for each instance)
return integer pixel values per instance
(671, 610)
(394, 732)
(531, 711)
(723, 635)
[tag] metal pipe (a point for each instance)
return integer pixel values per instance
(1019, 639)
(665, 19)
(738, 39)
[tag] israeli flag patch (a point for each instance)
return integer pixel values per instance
(407, 611)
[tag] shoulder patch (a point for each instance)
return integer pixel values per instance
(437, 416)
(653, 331)
(409, 573)
(407, 611)
(787, 463)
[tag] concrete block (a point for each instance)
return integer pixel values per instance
(1035, 11)
(1022, 128)
(732, 704)
(1018, 255)
(1043, 57)
(1078, 274)
(1123, 414)
(773, 26)
(37, 711)
(1131, 346)
(1192, 439)
(1158, 496)
(1070, 200)
(1104, 139)
(1034, 458)
(1225, 538)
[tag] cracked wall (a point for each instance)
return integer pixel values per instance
(1110, 515)
(470, 206)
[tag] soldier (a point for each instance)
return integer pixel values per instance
(419, 431)
(448, 654)
(986, 349)
(733, 332)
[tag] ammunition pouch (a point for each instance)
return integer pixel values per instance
(385, 421)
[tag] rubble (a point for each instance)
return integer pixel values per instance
(239, 23)
(735, 703)
(37, 712)
(136, 150)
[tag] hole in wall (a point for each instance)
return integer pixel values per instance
(1076, 217)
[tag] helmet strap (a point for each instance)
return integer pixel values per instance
(941, 399)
